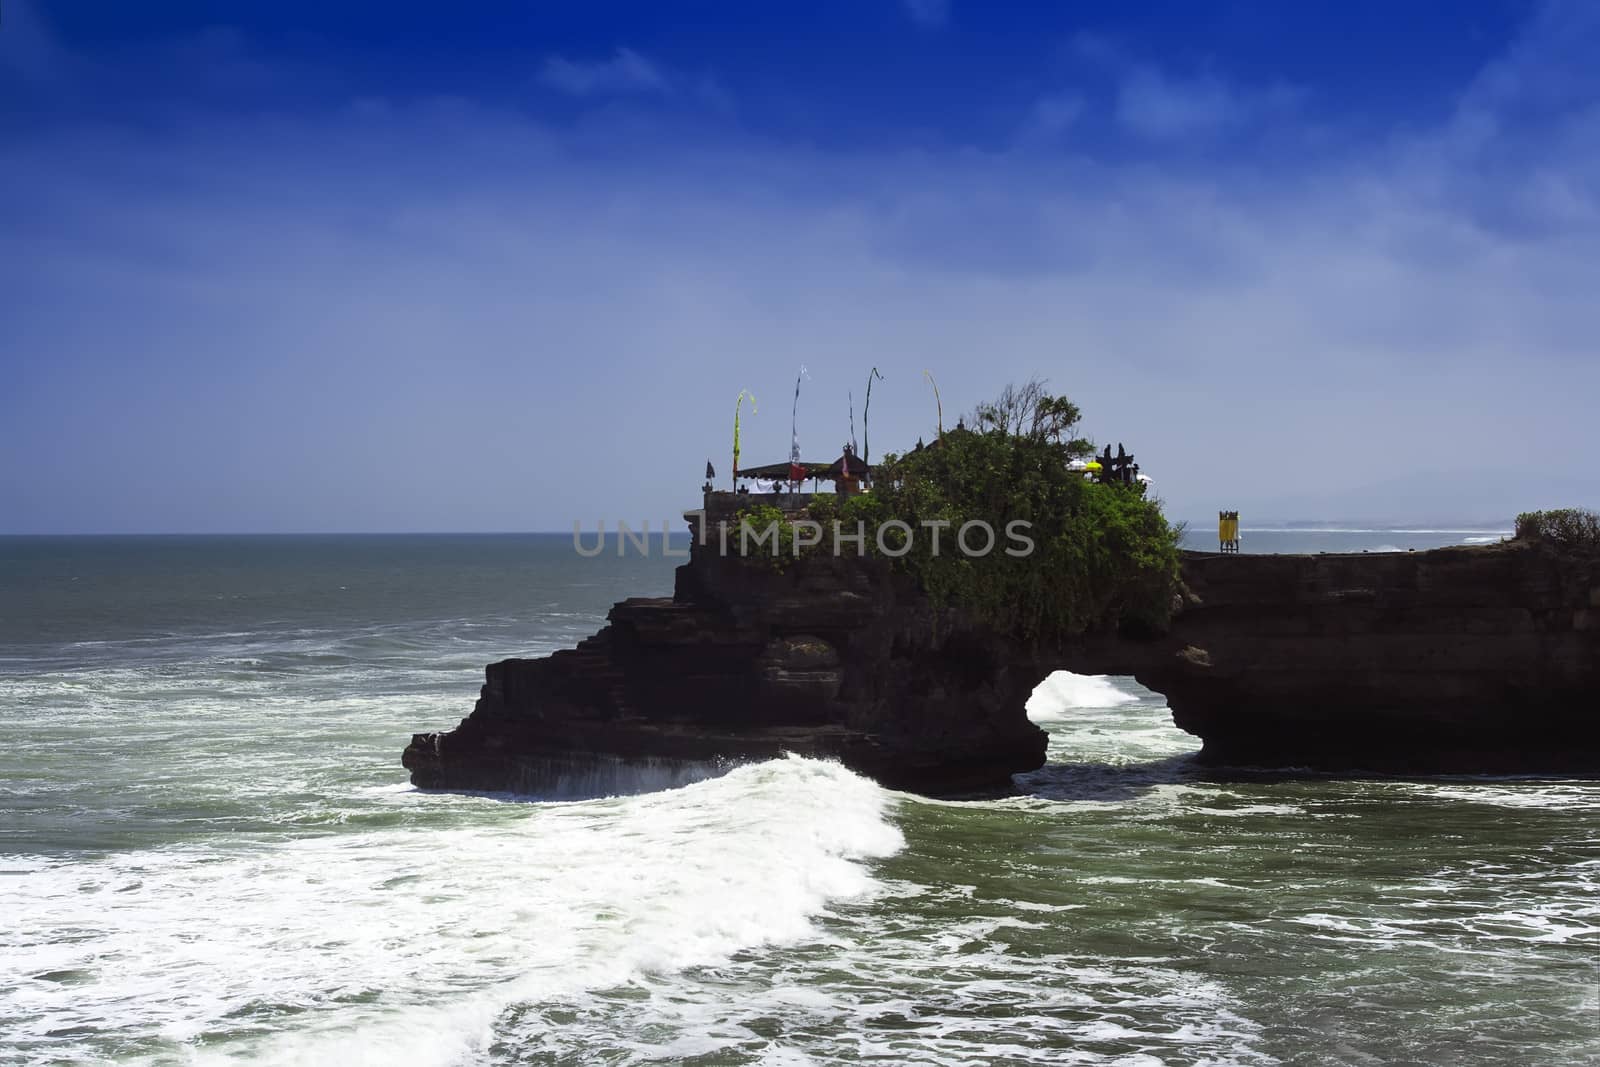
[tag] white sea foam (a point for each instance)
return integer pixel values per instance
(405, 945)
(1529, 794)
(274, 894)
(953, 992)
(1064, 692)
(1370, 530)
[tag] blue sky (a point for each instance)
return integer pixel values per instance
(297, 266)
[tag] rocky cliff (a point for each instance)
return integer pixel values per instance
(1477, 659)
(1473, 659)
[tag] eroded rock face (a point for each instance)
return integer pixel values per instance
(831, 658)
(1477, 659)
(1474, 660)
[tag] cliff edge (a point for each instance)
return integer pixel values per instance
(1478, 659)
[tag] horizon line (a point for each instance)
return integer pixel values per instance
(1269, 525)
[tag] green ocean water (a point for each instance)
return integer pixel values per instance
(209, 851)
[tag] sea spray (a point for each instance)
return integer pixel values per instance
(1063, 692)
(406, 945)
(210, 854)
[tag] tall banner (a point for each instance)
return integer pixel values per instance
(866, 412)
(736, 406)
(939, 403)
(796, 472)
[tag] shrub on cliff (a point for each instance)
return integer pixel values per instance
(1567, 527)
(1050, 555)
(763, 532)
(1103, 556)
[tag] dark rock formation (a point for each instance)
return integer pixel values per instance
(832, 657)
(1474, 659)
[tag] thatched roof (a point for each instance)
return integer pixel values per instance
(857, 467)
(828, 472)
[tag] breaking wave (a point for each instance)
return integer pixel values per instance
(1063, 692)
(406, 945)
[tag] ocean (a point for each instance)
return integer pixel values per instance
(210, 853)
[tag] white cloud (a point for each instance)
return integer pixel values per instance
(476, 308)
(928, 13)
(625, 72)
(1157, 106)
(1050, 118)
(439, 299)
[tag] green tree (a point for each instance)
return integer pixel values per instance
(1568, 527)
(1102, 557)
(1029, 410)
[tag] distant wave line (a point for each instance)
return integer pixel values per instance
(1368, 530)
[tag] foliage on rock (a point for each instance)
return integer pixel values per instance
(1068, 555)
(1102, 556)
(762, 532)
(1566, 527)
(1029, 410)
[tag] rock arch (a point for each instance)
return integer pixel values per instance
(1479, 659)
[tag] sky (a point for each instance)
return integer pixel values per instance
(290, 266)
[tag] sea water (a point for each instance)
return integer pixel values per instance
(210, 853)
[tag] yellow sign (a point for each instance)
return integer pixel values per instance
(1228, 530)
